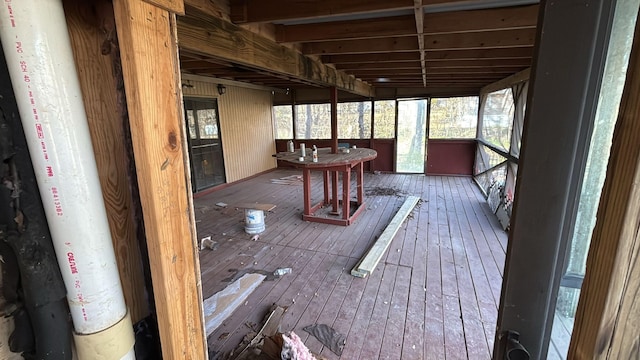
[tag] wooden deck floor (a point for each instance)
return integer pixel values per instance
(433, 296)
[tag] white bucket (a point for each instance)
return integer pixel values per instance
(253, 221)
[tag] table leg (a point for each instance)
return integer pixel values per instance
(346, 194)
(326, 180)
(334, 193)
(359, 169)
(306, 180)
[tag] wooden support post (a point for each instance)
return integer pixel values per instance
(148, 44)
(334, 120)
(607, 325)
(104, 116)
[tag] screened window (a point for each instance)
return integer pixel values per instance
(384, 118)
(283, 121)
(453, 118)
(313, 121)
(354, 120)
(497, 119)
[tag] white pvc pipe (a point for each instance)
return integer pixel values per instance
(41, 66)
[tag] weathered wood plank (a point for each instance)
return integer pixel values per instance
(476, 54)
(148, 43)
(477, 40)
(174, 6)
(223, 40)
(369, 262)
(394, 341)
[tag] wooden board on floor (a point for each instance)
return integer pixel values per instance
(220, 306)
(369, 262)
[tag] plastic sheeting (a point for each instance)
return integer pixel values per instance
(500, 125)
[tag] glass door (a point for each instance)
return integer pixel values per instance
(205, 146)
(411, 148)
(595, 172)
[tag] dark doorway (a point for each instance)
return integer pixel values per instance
(205, 145)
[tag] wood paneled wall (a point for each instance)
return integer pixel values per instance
(248, 139)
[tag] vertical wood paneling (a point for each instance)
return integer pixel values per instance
(248, 140)
(107, 135)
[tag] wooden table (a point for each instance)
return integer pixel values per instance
(331, 165)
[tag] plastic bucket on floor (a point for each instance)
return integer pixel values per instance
(253, 221)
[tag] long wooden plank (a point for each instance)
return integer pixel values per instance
(606, 325)
(370, 261)
(148, 43)
(223, 40)
(476, 54)
(477, 40)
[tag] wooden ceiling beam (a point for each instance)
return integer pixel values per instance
(351, 29)
(366, 58)
(220, 39)
(477, 40)
(475, 54)
(384, 65)
(390, 72)
(481, 40)
(521, 17)
(437, 64)
(248, 11)
(442, 85)
(496, 77)
(419, 18)
(393, 44)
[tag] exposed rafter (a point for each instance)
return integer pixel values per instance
(475, 40)
(359, 44)
(419, 18)
(523, 17)
(217, 38)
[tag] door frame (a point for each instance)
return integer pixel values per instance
(190, 142)
(570, 54)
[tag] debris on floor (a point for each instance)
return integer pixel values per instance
(383, 191)
(282, 271)
(221, 204)
(207, 243)
(222, 304)
(294, 349)
(270, 344)
(328, 337)
(288, 180)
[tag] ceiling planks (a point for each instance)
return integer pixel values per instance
(523, 17)
(360, 44)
